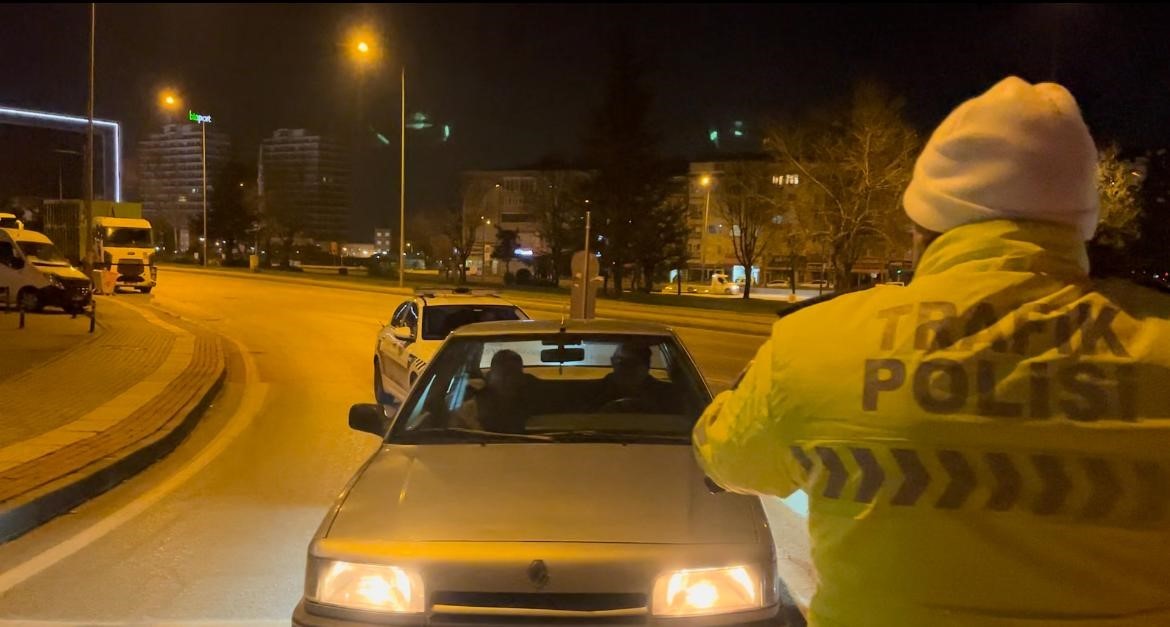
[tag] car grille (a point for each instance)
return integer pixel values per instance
(468, 602)
(131, 268)
(539, 601)
(78, 288)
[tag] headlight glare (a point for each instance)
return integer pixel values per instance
(708, 591)
(370, 587)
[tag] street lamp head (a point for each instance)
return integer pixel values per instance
(362, 44)
(705, 181)
(169, 99)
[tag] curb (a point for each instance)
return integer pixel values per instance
(764, 330)
(46, 502)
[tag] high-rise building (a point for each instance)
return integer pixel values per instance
(306, 178)
(170, 177)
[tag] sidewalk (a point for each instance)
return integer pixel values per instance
(80, 413)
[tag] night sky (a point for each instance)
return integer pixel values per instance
(517, 83)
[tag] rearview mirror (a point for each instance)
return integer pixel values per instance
(562, 355)
(406, 334)
(367, 418)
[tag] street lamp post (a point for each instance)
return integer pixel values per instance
(365, 52)
(402, 187)
(705, 182)
(483, 249)
(203, 121)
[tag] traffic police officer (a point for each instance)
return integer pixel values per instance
(989, 445)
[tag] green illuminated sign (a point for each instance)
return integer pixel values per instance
(197, 117)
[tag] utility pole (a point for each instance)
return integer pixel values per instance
(88, 183)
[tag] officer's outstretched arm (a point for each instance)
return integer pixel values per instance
(738, 438)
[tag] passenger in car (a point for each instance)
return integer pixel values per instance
(504, 404)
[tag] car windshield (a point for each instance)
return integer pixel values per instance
(440, 320)
(555, 387)
(41, 251)
(128, 237)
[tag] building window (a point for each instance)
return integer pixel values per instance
(714, 229)
(777, 219)
(786, 179)
(515, 217)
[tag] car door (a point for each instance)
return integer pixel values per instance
(394, 351)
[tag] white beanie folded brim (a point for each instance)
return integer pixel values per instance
(1018, 151)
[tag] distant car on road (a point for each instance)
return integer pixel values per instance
(541, 473)
(419, 325)
(776, 284)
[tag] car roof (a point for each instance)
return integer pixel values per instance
(462, 299)
(578, 327)
(25, 235)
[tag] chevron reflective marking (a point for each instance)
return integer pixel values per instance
(1036, 483)
(1055, 484)
(962, 480)
(1105, 488)
(1008, 482)
(837, 473)
(872, 476)
(802, 459)
(915, 478)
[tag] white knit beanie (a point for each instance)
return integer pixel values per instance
(1019, 151)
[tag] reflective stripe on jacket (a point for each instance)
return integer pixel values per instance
(989, 445)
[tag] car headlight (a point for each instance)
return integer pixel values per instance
(370, 587)
(55, 281)
(707, 591)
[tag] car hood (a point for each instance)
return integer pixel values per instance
(542, 493)
(64, 271)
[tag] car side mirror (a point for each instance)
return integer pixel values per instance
(367, 418)
(406, 334)
(17, 263)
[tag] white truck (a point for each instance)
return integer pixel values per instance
(114, 237)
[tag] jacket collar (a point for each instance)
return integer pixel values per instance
(1008, 245)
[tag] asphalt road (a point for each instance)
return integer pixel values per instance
(216, 533)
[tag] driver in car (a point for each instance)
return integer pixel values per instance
(631, 387)
(504, 404)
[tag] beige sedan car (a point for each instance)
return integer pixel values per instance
(542, 474)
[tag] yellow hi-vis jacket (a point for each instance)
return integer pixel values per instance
(987, 446)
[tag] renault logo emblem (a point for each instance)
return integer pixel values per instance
(538, 574)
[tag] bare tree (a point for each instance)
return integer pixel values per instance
(861, 163)
(458, 236)
(558, 207)
(751, 205)
(1120, 188)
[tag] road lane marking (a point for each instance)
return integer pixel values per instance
(255, 392)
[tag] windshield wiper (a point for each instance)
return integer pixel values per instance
(617, 436)
(479, 435)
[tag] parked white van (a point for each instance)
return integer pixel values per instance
(37, 275)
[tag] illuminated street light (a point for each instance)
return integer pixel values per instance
(705, 183)
(365, 51)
